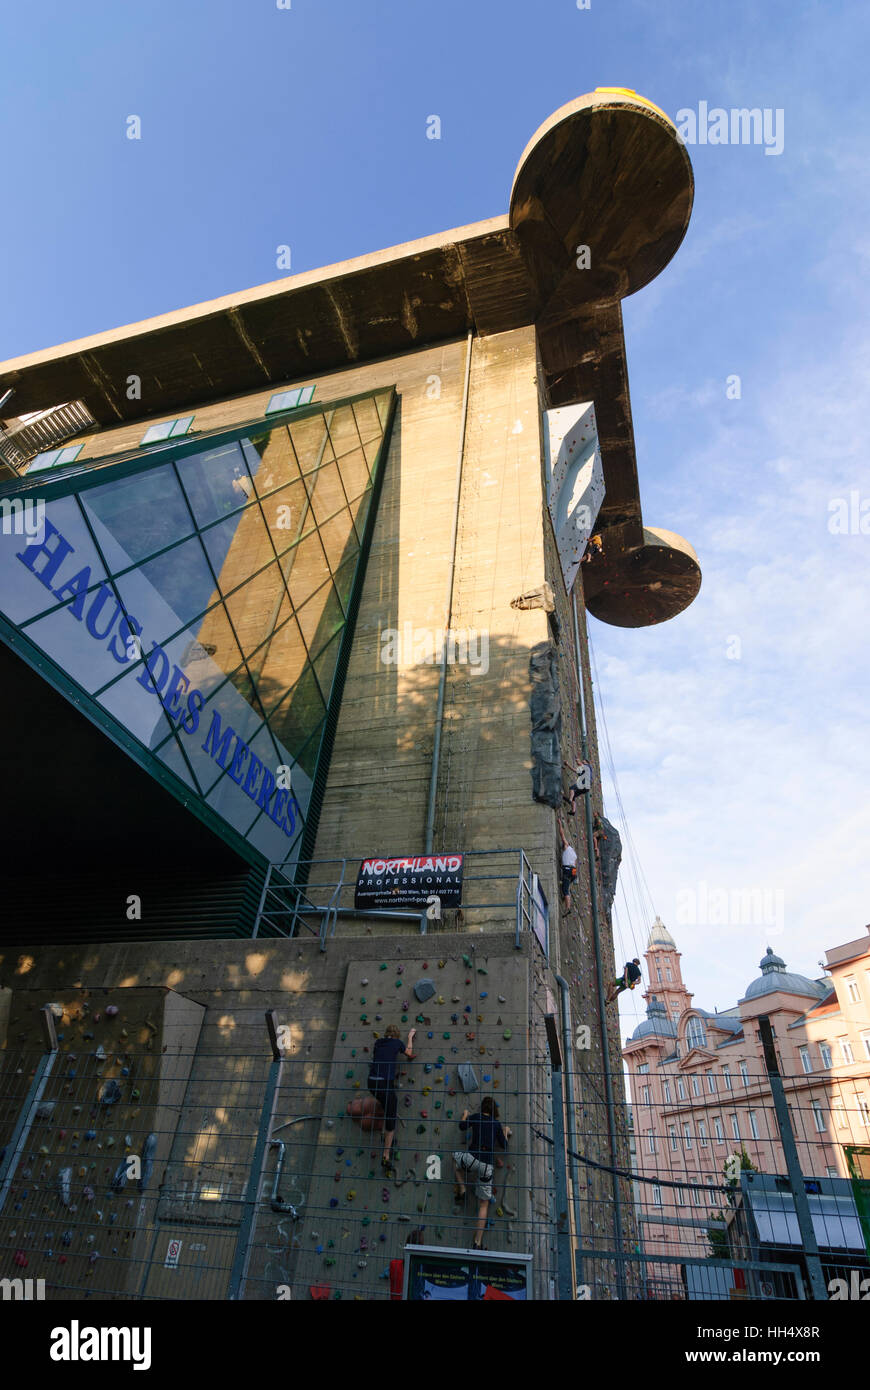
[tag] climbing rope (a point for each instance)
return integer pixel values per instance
(636, 1177)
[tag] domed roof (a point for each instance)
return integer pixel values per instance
(660, 936)
(656, 1023)
(774, 976)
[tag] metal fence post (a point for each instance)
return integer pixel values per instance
(796, 1177)
(242, 1256)
(24, 1123)
(564, 1252)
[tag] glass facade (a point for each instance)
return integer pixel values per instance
(200, 596)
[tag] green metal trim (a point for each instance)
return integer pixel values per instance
(93, 470)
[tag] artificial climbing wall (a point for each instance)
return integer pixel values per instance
(204, 1096)
(79, 1203)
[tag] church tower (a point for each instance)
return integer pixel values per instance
(665, 979)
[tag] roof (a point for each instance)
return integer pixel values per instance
(775, 978)
(660, 936)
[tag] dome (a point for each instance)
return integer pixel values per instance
(656, 1024)
(660, 936)
(774, 976)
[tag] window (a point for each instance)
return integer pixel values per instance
(667, 1086)
(713, 1201)
(818, 1117)
(681, 1196)
(720, 1133)
(840, 1112)
(696, 1086)
(852, 990)
(674, 1141)
(864, 1107)
(846, 1049)
(865, 1038)
(825, 1052)
(753, 1127)
(643, 1068)
(681, 1090)
(646, 1095)
(806, 1060)
(726, 1077)
(711, 1083)
(735, 1128)
(289, 400)
(167, 429)
(832, 1172)
(656, 1195)
(659, 973)
(651, 1141)
(696, 1033)
(675, 1015)
(55, 458)
(702, 1134)
(744, 1073)
(687, 1136)
(696, 1196)
(668, 971)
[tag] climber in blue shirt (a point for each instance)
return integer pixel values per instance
(484, 1135)
(382, 1081)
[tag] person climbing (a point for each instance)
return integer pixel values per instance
(382, 1081)
(627, 980)
(597, 835)
(569, 866)
(581, 784)
(593, 550)
(484, 1133)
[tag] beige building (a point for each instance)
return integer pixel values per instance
(700, 1092)
(305, 590)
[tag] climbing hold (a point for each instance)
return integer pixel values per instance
(469, 1037)
(421, 1129)
(449, 1114)
(364, 980)
(501, 999)
(487, 1078)
(454, 1018)
(445, 1035)
(333, 1202)
(483, 994)
(467, 1009)
(362, 999)
(351, 1194)
(20, 1258)
(481, 971)
(404, 1018)
(424, 989)
(383, 967)
(467, 962)
(427, 1068)
(404, 1005)
(441, 964)
(482, 1051)
(343, 1037)
(363, 1018)
(430, 1035)
(454, 999)
(507, 1035)
(90, 1134)
(400, 969)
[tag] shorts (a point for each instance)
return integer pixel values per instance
(385, 1093)
(482, 1172)
(568, 877)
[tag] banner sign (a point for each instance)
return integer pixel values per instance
(409, 882)
(454, 1277)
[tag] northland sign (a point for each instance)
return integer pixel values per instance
(409, 882)
(104, 619)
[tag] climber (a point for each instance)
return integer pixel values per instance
(569, 866)
(382, 1081)
(597, 835)
(627, 980)
(593, 550)
(485, 1133)
(581, 783)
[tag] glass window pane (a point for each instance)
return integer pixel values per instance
(344, 578)
(359, 510)
(28, 573)
(216, 482)
(288, 514)
(324, 664)
(310, 442)
(271, 459)
(367, 419)
(320, 618)
(155, 433)
(81, 636)
(343, 430)
(254, 608)
(167, 592)
(305, 568)
(135, 516)
(354, 471)
(326, 492)
(280, 663)
(283, 400)
(298, 714)
(180, 427)
(339, 538)
(238, 546)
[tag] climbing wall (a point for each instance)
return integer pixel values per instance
(471, 1028)
(72, 1214)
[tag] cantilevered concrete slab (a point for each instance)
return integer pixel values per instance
(606, 172)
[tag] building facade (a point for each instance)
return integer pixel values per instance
(293, 623)
(700, 1091)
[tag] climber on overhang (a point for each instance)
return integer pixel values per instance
(582, 781)
(627, 980)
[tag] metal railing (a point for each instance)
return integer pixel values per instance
(510, 891)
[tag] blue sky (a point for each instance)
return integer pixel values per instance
(307, 127)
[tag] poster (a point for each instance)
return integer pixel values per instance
(443, 1279)
(409, 882)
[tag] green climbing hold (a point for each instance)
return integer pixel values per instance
(343, 1036)
(363, 1018)
(404, 1018)
(419, 1018)
(353, 1052)
(328, 1261)
(449, 1114)
(507, 1034)
(366, 1221)
(437, 1105)
(467, 962)
(481, 971)
(330, 1245)
(398, 984)
(349, 1075)
(441, 1059)
(362, 1001)
(383, 967)
(421, 1129)
(445, 1035)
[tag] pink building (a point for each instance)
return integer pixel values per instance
(699, 1089)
